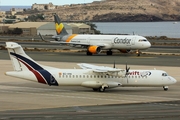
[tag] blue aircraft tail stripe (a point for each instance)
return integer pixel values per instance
(42, 75)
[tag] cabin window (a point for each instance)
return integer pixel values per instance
(80, 76)
(101, 76)
(94, 76)
(83, 76)
(76, 76)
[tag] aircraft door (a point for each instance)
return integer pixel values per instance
(112, 42)
(125, 80)
(133, 41)
(88, 40)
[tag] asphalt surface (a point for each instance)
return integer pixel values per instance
(80, 57)
(26, 100)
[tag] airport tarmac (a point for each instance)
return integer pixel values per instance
(21, 99)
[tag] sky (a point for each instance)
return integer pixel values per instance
(30, 2)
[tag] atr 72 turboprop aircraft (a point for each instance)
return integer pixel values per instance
(95, 43)
(98, 78)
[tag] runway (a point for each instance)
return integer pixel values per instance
(80, 57)
(22, 99)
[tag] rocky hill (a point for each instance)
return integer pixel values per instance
(119, 10)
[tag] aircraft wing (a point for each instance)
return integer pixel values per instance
(103, 69)
(77, 43)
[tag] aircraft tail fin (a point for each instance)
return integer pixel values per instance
(20, 60)
(24, 66)
(60, 29)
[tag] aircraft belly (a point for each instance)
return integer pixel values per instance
(121, 47)
(95, 83)
(70, 81)
(149, 81)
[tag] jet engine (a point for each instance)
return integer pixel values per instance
(94, 49)
(125, 51)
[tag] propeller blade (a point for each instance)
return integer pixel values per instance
(114, 66)
(127, 69)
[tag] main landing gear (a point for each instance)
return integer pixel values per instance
(109, 52)
(88, 53)
(101, 89)
(165, 88)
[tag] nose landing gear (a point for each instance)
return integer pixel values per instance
(138, 53)
(165, 88)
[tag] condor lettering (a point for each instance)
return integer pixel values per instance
(122, 41)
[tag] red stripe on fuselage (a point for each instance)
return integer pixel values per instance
(39, 77)
(36, 73)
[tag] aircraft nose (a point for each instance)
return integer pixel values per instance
(173, 80)
(148, 44)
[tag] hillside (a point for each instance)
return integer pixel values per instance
(119, 10)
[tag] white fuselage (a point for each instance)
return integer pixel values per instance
(131, 42)
(76, 77)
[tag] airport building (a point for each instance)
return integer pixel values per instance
(48, 28)
(4, 28)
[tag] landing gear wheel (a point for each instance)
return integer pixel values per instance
(138, 53)
(88, 53)
(165, 88)
(109, 52)
(102, 89)
(95, 89)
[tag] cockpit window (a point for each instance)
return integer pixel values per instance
(164, 74)
(142, 40)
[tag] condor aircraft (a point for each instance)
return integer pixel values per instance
(96, 43)
(98, 78)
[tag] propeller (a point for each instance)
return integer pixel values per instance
(114, 65)
(127, 72)
(127, 69)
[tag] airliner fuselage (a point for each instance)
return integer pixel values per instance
(95, 43)
(129, 42)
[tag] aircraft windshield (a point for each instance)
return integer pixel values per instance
(143, 40)
(164, 74)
